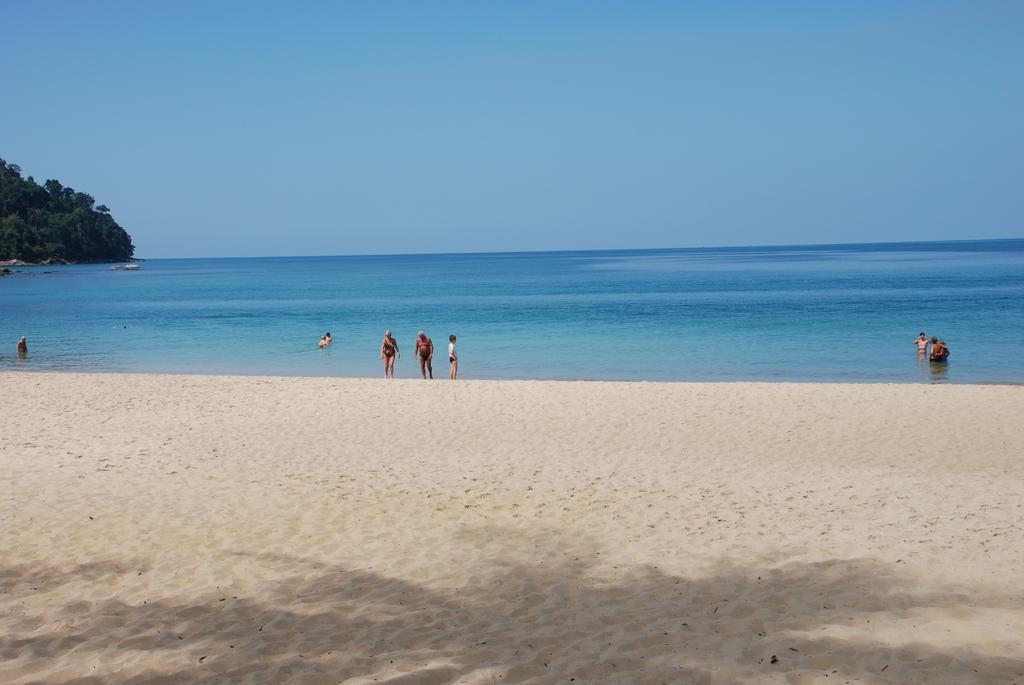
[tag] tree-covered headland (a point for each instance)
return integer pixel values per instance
(54, 222)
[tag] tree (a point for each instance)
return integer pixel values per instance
(54, 221)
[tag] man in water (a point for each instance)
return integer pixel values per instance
(425, 352)
(22, 347)
(940, 352)
(922, 343)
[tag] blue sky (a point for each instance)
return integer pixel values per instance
(234, 129)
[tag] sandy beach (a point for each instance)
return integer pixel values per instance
(177, 529)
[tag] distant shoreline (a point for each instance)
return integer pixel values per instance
(928, 245)
(65, 262)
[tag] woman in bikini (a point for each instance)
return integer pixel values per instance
(389, 352)
(425, 351)
(922, 343)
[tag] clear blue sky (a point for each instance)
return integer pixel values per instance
(251, 128)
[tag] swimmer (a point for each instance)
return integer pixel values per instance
(389, 352)
(22, 347)
(425, 352)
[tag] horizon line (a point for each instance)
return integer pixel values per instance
(599, 250)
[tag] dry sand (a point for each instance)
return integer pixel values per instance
(168, 529)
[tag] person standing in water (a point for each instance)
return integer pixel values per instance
(453, 358)
(389, 352)
(922, 343)
(425, 351)
(22, 347)
(940, 352)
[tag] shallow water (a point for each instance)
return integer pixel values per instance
(804, 313)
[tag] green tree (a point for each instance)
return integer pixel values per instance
(53, 221)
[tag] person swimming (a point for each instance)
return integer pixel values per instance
(940, 352)
(425, 352)
(326, 340)
(389, 352)
(22, 346)
(922, 343)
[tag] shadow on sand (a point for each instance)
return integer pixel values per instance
(550, 619)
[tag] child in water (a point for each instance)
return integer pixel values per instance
(453, 358)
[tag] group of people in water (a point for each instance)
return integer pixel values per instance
(939, 350)
(389, 353)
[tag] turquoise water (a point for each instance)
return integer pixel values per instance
(836, 313)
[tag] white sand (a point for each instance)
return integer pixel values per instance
(167, 529)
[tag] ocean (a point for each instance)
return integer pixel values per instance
(845, 313)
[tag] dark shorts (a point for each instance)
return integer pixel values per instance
(451, 359)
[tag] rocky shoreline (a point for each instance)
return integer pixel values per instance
(56, 261)
(5, 264)
(45, 262)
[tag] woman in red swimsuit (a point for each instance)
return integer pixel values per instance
(389, 352)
